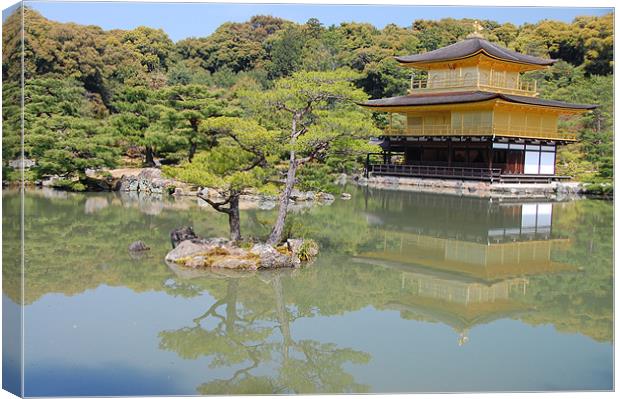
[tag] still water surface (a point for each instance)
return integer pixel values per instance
(411, 293)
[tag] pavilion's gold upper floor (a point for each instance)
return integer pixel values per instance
(474, 64)
(478, 77)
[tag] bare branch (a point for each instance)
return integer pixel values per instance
(280, 105)
(257, 162)
(318, 150)
(217, 205)
(301, 131)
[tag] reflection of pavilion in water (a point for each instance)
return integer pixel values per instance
(464, 261)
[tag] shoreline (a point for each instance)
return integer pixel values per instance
(112, 181)
(480, 189)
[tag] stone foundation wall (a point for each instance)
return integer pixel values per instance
(557, 190)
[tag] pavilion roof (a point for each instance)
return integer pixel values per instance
(458, 316)
(470, 47)
(413, 100)
(486, 272)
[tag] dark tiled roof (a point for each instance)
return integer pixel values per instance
(469, 47)
(467, 97)
(546, 103)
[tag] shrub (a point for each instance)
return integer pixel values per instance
(69, 185)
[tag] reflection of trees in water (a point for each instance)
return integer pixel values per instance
(77, 241)
(11, 246)
(72, 247)
(243, 336)
(581, 301)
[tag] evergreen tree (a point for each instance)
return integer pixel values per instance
(136, 120)
(237, 165)
(317, 118)
(187, 107)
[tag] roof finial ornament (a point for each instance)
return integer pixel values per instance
(477, 30)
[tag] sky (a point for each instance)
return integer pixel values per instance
(182, 20)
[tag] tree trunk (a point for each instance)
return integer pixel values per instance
(149, 161)
(192, 150)
(276, 234)
(231, 305)
(234, 221)
(282, 315)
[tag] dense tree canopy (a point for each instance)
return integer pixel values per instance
(236, 46)
(187, 106)
(177, 85)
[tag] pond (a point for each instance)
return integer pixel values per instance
(411, 293)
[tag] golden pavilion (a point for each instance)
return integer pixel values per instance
(472, 117)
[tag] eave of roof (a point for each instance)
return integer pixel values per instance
(471, 47)
(469, 97)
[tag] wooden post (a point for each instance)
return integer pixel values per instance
(490, 155)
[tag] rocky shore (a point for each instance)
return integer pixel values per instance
(554, 190)
(192, 252)
(151, 182)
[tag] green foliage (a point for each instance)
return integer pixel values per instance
(11, 122)
(330, 127)
(236, 46)
(594, 39)
(187, 106)
(317, 120)
(67, 146)
(137, 121)
(152, 47)
(603, 188)
(237, 163)
(570, 161)
(316, 177)
(70, 185)
(15, 175)
(286, 51)
(385, 79)
(62, 131)
(152, 93)
(307, 248)
(436, 34)
(101, 61)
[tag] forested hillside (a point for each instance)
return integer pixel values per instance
(96, 98)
